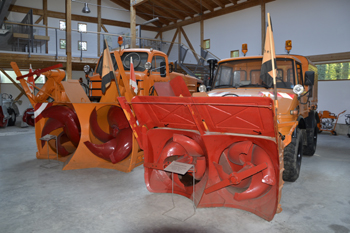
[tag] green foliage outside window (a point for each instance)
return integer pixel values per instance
(334, 71)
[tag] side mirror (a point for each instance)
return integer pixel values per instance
(309, 78)
(162, 69)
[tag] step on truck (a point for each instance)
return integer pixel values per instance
(297, 115)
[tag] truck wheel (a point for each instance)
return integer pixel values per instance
(310, 148)
(12, 120)
(292, 158)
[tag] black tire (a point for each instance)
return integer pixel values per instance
(12, 119)
(334, 133)
(293, 154)
(310, 148)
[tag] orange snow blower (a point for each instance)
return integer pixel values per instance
(95, 134)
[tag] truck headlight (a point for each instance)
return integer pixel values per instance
(86, 69)
(298, 89)
(202, 88)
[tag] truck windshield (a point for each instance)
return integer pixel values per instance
(139, 60)
(246, 73)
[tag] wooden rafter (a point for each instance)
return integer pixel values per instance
(226, 10)
(160, 12)
(141, 11)
(189, 42)
(219, 3)
(190, 5)
(205, 4)
(167, 9)
(178, 6)
(38, 20)
(234, 1)
(172, 42)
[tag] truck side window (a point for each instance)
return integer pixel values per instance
(156, 63)
(299, 74)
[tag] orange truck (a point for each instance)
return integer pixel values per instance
(150, 66)
(297, 115)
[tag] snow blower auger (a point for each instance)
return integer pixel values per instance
(232, 143)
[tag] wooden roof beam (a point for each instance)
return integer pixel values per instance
(139, 2)
(160, 13)
(190, 5)
(205, 4)
(178, 6)
(234, 2)
(219, 3)
(167, 9)
(226, 10)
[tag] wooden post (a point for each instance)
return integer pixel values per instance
(179, 42)
(202, 32)
(69, 39)
(99, 25)
(263, 25)
(45, 23)
(132, 24)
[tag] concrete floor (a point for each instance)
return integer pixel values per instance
(35, 199)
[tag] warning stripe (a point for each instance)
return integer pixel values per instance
(39, 108)
(279, 94)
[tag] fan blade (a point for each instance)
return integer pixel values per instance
(116, 118)
(61, 139)
(115, 149)
(239, 152)
(123, 146)
(260, 156)
(67, 117)
(190, 145)
(51, 125)
(256, 189)
(200, 168)
(96, 130)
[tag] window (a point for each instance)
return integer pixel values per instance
(82, 27)
(82, 45)
(62, 25)
(11, 73)
(62, 44)
(206, 44)
(334, 71)
(234, 53)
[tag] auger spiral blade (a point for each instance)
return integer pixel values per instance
(67, 118)
(117, 144)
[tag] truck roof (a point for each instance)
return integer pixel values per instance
(294, 57)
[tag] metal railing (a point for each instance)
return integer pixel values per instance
(42, 40)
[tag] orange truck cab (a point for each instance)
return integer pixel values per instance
(150, 66)
(296, 83)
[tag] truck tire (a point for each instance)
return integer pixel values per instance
(293, 154)
(310, 148)
(12, 119)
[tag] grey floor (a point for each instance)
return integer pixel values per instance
(35, 199)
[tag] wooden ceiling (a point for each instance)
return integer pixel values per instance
(174, 13)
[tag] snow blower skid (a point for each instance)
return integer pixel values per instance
(232, 143)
